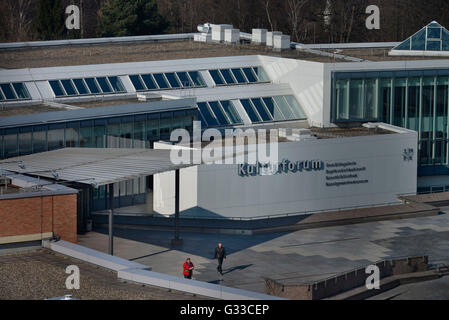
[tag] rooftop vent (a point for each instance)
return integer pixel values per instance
(232, 36)
(270, 37)
(205, 35)
(281, 42)
(218, 31)
(259, 36)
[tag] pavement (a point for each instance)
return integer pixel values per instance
(429, 290)
(289, 257)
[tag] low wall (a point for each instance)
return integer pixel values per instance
(139, 273)
(346, 281)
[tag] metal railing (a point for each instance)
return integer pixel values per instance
(267, 217)
(95, 41)
(362, 267)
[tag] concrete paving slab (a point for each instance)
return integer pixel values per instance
(292, 257)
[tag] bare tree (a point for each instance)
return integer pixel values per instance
(268, 11)
(295, 18)
(17, 19)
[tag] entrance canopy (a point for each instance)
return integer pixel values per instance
(93, 166)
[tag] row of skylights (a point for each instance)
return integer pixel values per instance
(433, 37)
(280, 108)
(167, 81)
(87, 86)
(14, 91)
(223, 77)
(218, 113)
(268, 109)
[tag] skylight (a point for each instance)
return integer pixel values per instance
(167, 81)
(247, 75)
(13, 91)
(86, 86)
(433, 39)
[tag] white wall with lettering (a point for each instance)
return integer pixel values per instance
(390, 163)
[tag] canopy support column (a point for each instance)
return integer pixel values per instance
(111, 219)
(177, 241)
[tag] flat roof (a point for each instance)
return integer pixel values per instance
(90, 165)
(138, 52)
(40, 274)
(92, 113)
(379, 54)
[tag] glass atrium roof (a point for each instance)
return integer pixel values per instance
(432, 37)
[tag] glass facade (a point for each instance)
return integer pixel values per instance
(416, 100)
(130, 131)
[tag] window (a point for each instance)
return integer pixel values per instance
(284, 107)
(239, 76)
(275, 113)
(261, 109)
(25, 137)
(233, 76)
(93, 86)
(8, 91)
(197, 79)
(174, 83)
(261, 74)
(57, 88)
(21, 90)
(296, 108)
(185, 80)
(104, 85)
(231, 112)
(219, 113)
(68, 87)
(216, 76)
(80, 86)
(252, 114)
(149, 81)
(208, 116)
(249, 73)
(85, 86)
(116, 84)
(72, 135)
(160, 79)
(137, 83)
(227, 76)
(267, 109)
(166, 81)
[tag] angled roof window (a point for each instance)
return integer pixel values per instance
(433, 39)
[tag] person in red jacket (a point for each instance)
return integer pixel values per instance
(188, 269)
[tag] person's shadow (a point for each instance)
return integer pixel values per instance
(243, 267)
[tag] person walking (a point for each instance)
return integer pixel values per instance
(220, 254)
(188, 269)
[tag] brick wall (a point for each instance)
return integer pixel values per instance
(36, 215)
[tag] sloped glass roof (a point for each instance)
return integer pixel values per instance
(432, 37)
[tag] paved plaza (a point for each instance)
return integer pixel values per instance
(293, 257)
